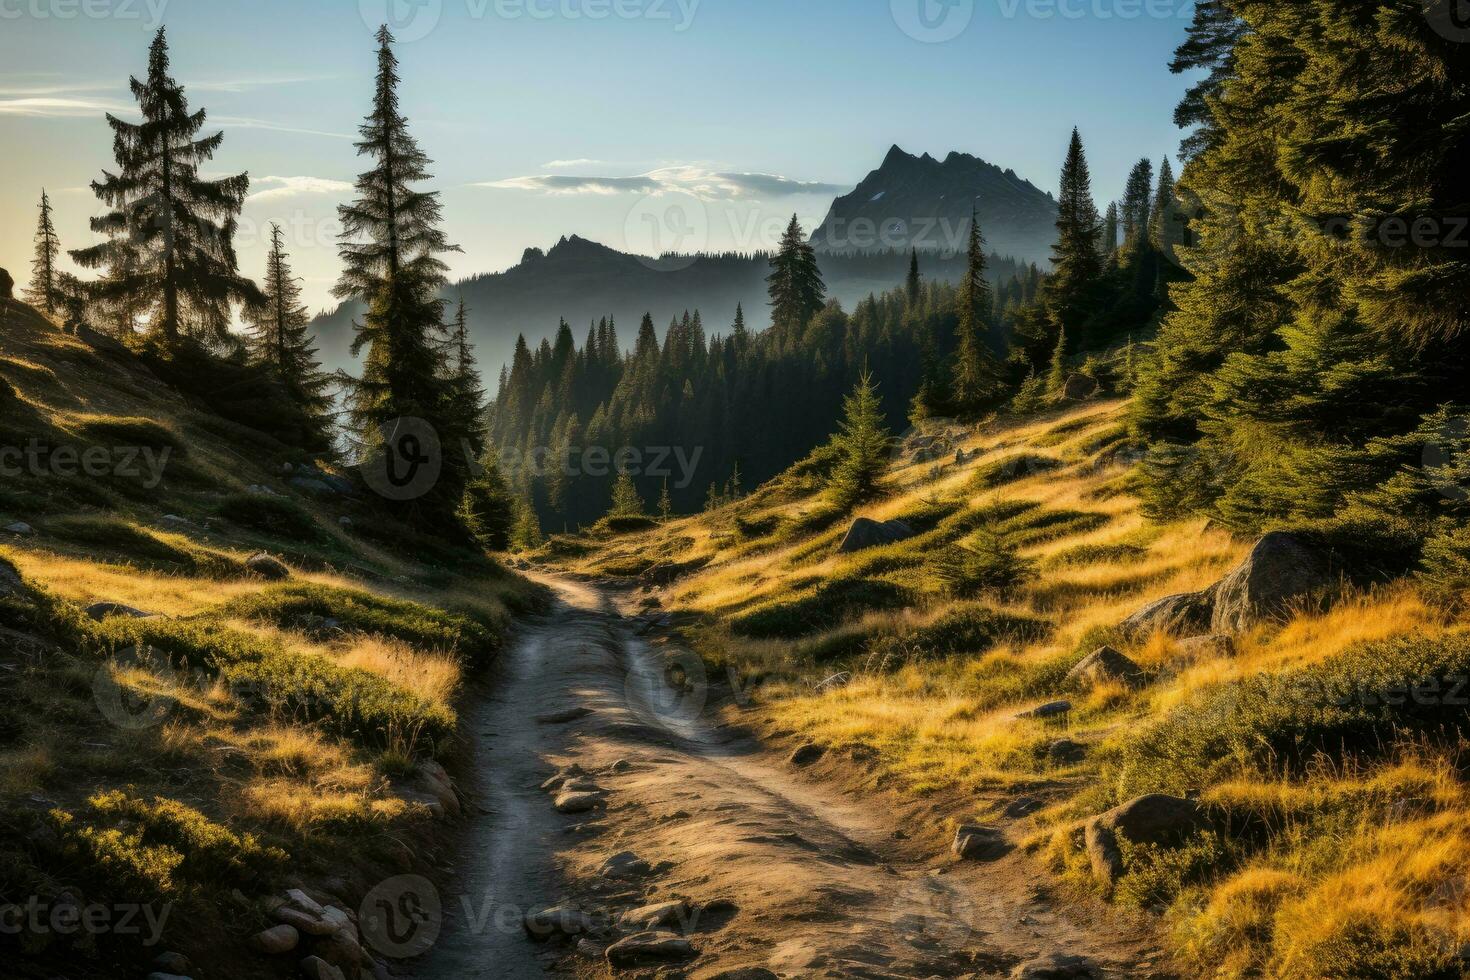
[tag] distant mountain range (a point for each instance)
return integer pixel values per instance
(922, 202)
(580, 280)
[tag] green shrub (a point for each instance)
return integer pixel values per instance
(1355, 703)
(276, 516)
(120, 861)
(1012, 469)
(1156, 874)
(974, 629)
(821, 609)
(838, 645)
(748, 529)
(212, 853)
(414, 623)
(112, 534)
(625, 523)
(993, 565)
(1445, 569)
(1098, 554)
(352, 701)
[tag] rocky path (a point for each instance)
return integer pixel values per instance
(615, 811)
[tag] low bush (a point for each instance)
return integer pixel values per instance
(1097, 554)
(974, 629)
(276, 516)
(212, 853)
(821, 609)
(1353, 704)
(414, 623)
(1012, 469)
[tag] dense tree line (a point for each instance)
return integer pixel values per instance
(713, 412)
(1313, 365)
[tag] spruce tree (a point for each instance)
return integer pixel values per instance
(170, 234)
(1138, 206)
(45, 289)
(391, 246)
(464, 415)
(795, 284)
(1209, 47)
(913, 284)
(665, 503)
(976, 375)
(525, 532)
(1056, 375)
(1110, 232)
(1071, 290)
(280, 342)
(625, 499)
(862, 445)
(488, 511)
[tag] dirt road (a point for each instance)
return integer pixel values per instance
(778, 873)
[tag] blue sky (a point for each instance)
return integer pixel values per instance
(707, 102)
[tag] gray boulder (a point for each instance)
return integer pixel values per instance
(267, 567)
(977, 842)
(652, 916)
(559, 922)
(1055, 966)
(1280, 570)
(1079, 387)
(1064, 751)
(648, 948)
(10, 580)
(867, 533)
(1186, 614)
(101, 610)
(312, 487)
(277, 939)
(7, 285)
(1209, 645)
(21, 528)
(1151, 819)
(1052, 709)
(1104, 666)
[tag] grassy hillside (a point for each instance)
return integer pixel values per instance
(1337, 825)
(254, 733)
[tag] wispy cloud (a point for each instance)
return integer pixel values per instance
(277, 187)
(58, 107)
(698, 181)
(246, 122)
(570, 164)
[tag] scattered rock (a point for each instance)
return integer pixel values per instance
(101, 610)
(1281, 569)
(176, 519)
(267, 567)
(305, 902)
(316, 968)
(344, 521)
(646, 948)
(977, 842)
(1064, 751)
(7, 285)
(1055, 966)
(1079, 387)
(625, 865)
(172, 962)
(1104, 666)
(559, 922)
(1186, 614)
(563, 717)
(556, 782)
(807, 754)
(21, 528)
(1151, 819)
(1023, 806)
(587, 949)
(622, 765)
(10, 580)
(277, 939)
(312, 487)
(432, 777)
(1052, 709)
(579, 802)
(867, 533)
(650, 916)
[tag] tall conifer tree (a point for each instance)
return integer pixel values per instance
(45, 289)
(279, 339)
(1071, 290)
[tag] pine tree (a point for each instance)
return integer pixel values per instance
(795, 284)
(171, 234)
(1056, 376)
(488, 511)
(279, 341)
(862, 444)
(391, 245)
(464, 415)
(914, 283)
(1110, 232)
(1071, 290)
(45, 289)
(976, 375)
(1138, 206)
(625, 499)
(1210, 46)
(526, 530)
(665, 504)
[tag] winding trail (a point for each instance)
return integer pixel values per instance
(781, 873)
